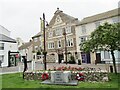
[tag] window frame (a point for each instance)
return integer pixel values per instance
(97, 24)
(35, 39)
(59, 44)
(83, 27)
(68, 29)
(51, 45)
(2, 46)
(69, 42)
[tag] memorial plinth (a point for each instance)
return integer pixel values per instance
(61, 77)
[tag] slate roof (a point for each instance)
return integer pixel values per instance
(5, 38)
(25, 45)
(100, 16)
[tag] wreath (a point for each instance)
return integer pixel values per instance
(45, 76)
(80, 77)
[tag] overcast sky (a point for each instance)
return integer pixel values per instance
(21, 17)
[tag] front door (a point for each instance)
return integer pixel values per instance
(60, 58)
(85, 57)
(98, 57)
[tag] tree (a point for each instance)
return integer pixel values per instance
(106, 37)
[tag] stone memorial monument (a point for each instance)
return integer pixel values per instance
(61, 77)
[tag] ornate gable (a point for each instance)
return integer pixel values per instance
(58, 20)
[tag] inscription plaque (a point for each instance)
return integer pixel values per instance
(58, 77)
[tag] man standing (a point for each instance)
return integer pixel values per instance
(25, 64)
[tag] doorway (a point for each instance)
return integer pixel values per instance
(60, 58)
(85, 57)
(98, 57)
(12, 58)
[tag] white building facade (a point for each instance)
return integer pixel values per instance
(88, 25)
(7, 45)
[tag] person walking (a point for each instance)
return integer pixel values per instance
(25, 64)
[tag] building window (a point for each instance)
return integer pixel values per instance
(115, 19)
(83, 29)
(51, 45)
(50, 34)
(82, 39)
(58, 31)
(97, 24)
(59, 44)
(106, 55)
(69, 42)
(36, 47)
(1, 46)
(1, 58)
(35, 39)
(68, 29)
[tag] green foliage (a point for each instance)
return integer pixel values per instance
(38, 52)
(106, 37)
(44, 52)
(33, 51)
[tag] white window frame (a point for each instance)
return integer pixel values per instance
(97, 24)
(68, 29)
(2, 58)
(1, 46)
(50, 34)
(51, 45)
(36, 47)
(58, 31)
(59, 43)
(106, 55)
(69, 42)
(35, 39)
(115, 19)
(82, 39)
(83, 27)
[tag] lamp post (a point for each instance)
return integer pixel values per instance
(64, 33)
(44, 61)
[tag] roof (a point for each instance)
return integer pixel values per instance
(4, 28)
(65, 18)
(100, 16)
(37, 35)
(5, 38)
(25, 45)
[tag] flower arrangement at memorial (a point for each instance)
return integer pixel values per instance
(64, 68)
(80, 77)
(45, 76)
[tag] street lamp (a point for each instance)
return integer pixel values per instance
(45, 52)
(64, 33)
